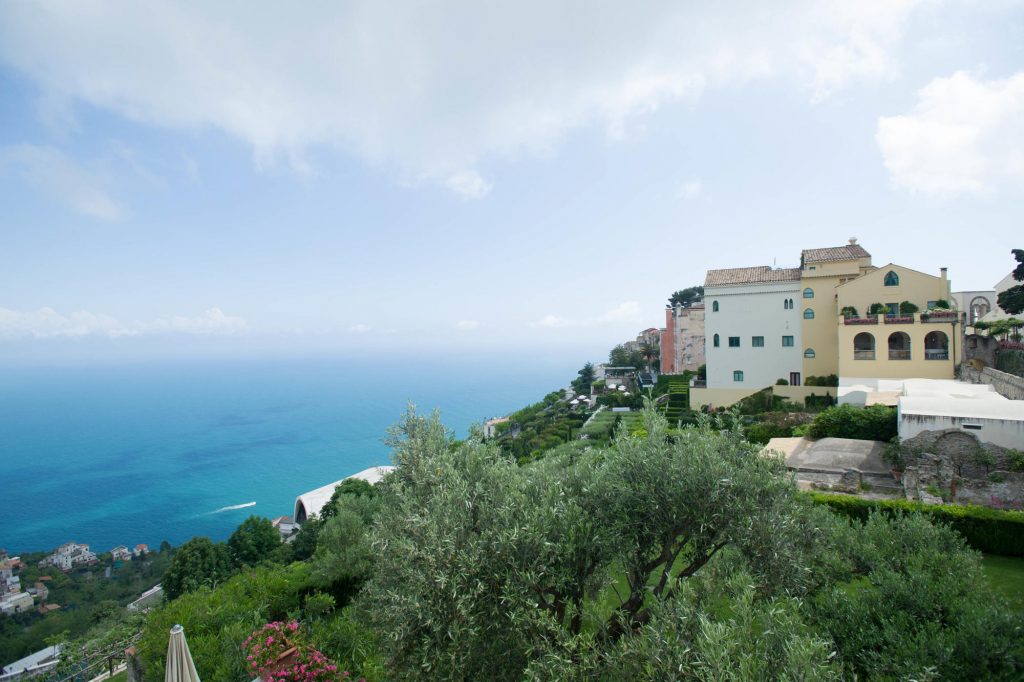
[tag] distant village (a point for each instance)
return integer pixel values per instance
(16, 598)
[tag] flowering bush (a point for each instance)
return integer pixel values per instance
(277, 653)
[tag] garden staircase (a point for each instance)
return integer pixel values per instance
(678, 398)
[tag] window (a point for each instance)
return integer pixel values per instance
(714, 306)
(892, 279)
(737, 375)
(757, 341)
(864, 346)
(811, 268)
(936, 346)
(787, 341)
(715, 342)
(808, 293)
(808, 314)
(734, 342)
(931, 305)
(785, 304)
(892, 308)
(899, 346)
(809, 353)
(972, 427)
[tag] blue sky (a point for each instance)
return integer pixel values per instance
(248, 178)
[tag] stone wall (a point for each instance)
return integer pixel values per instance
(1006, 385)
(962, 469)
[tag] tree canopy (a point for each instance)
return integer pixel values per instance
(686, 297)
(198, 562)
(1012, 300)
(253, 541)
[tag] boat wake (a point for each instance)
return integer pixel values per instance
(234, 506)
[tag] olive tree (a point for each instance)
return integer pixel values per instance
(483, 565)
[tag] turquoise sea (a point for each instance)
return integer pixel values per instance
(122, 454)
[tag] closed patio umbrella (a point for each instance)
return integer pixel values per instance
(180, 667)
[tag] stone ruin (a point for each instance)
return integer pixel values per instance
(962, 470)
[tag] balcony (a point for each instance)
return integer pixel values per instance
(946, 316)
(873, 319)
(899, 354)
(899, 319)
(863, 355)
(936, 354)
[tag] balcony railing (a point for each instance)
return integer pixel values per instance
(863, 355)
(940, 316)
(899, 319)
(936, 354)
(899, 354)
(861, 320)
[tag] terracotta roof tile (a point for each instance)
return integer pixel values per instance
(832, 253)
(761, 274)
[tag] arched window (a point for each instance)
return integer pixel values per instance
(899, 346)
(892, 279)
(936, 346)
(716, 341)
(714, 306)
(809, 353)
(864, 346)
(790, 303)
(785, 304)
(980, 307)
(808, 314)
(808, 293)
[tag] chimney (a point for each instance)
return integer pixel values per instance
(853, 241)
(942, 272)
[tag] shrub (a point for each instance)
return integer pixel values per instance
(1015, 460)
(848, 311)
(908, 308)
(941, 304)
(996, 477)
(877, 309)
(987, 530)
(782, 382)
(877, 422)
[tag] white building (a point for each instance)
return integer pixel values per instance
(120, 553)
(17, 602)
(308, 504)
(752, 327)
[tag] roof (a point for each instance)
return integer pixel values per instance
(833, 253)
(312, 502)
(760, 274)
(32, 660)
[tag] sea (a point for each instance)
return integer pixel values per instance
(120, 454)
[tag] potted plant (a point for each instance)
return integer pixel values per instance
(277, 653)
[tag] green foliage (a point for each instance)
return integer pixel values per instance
(876, 422)
(619, 399)
(992, 531)
(908, 308)
(304, 543)
(1012, 300)
(621, 357)
(253, 541)
(585, 379)
(344, 556)
(996, 477)
(903, 614)
(350, 486)
(481, 563)
(877, 309)
(830, 380)
(197, 563)
(538, 428)
(1015, 460)
(782, 382)
(941, 304)
(217, 621)
(686, 297)
(848, 311)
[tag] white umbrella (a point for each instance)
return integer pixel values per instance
(180, 667)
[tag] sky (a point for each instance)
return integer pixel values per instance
(230, 178)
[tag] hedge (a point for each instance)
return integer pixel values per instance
(992, 531)
(876, 422)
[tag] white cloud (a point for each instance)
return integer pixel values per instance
(467, 325)
(430, 90)
(61, 177)
(48, 323)
(359, 328)
(213, 321)
(468, 184)
(964, 136)
(626, 311)
(690, 189)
